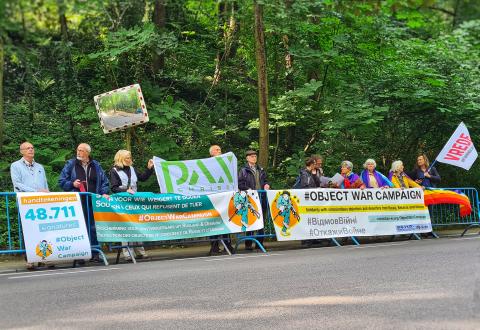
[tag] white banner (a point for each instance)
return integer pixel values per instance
(326, 213)
(197, 176)
(459, 150)
(53, 226)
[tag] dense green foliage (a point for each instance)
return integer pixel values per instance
(381, 79)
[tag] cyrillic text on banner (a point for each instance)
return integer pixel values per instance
(326, 213)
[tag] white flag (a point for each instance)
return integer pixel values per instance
(197, 176)
(459, 150)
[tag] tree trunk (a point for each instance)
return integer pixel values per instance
(159, 19)
(62, 19)
(261, 85)
(227, 26)
(1, 94)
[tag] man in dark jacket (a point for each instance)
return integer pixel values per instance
(83, 174)
(252, 176)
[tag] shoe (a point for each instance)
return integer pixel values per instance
(142, 256)
(215, 252)
(96, 260)
(41, 264)
(80, 262)
(30, 266)
(127, 259)
(231, 249)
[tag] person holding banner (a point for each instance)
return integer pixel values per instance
(28, 176)
(84, 174)
(423, 175)
(216, 150)
(351, 180)
(372, 178)
(254, 177)
(399, 178)
(124, 178)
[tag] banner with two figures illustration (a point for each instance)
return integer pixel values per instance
(156, 217)
(326, 213)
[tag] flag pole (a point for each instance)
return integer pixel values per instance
(431, 165)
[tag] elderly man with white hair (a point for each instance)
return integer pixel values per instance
(84, 174)
(372, 178)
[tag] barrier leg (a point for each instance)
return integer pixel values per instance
(260, 245)
(225, 247)
(335, 242)
(416, 236)
(355, 241)
(469, 227)
(434, 234)
(102, 255)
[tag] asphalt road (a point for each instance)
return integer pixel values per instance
(428, 284)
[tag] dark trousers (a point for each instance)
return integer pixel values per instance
(214, 245)
(89, 221)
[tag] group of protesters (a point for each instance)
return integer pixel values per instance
(84, 174)
(422, 175)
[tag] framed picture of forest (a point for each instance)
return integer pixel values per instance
(121, 108)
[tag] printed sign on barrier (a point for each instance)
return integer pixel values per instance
(197, 176)
(155, 217)
(53, 226)
(326, 213)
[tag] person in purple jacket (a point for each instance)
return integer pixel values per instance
(372, 178)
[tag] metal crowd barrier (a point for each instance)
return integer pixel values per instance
(444, 215)
(11, 238)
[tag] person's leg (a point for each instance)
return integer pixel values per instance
(140, 251)
(214, 247)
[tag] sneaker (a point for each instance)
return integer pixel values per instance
(96, 259)
(30, 266)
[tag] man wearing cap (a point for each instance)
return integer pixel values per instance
(254, 177)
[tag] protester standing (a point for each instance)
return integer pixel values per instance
(372, 178)
(28, 176)
(428, 178)
(252, 176)
(399, 178)
(84, 174)
(351, 180)
(216, 150)
(124, 178)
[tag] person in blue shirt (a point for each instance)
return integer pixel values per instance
(28, 175)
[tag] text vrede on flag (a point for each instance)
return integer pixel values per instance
(459, 150)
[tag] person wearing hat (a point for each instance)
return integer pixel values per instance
(254, 177)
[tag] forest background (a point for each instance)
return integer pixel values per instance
(382, 79)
